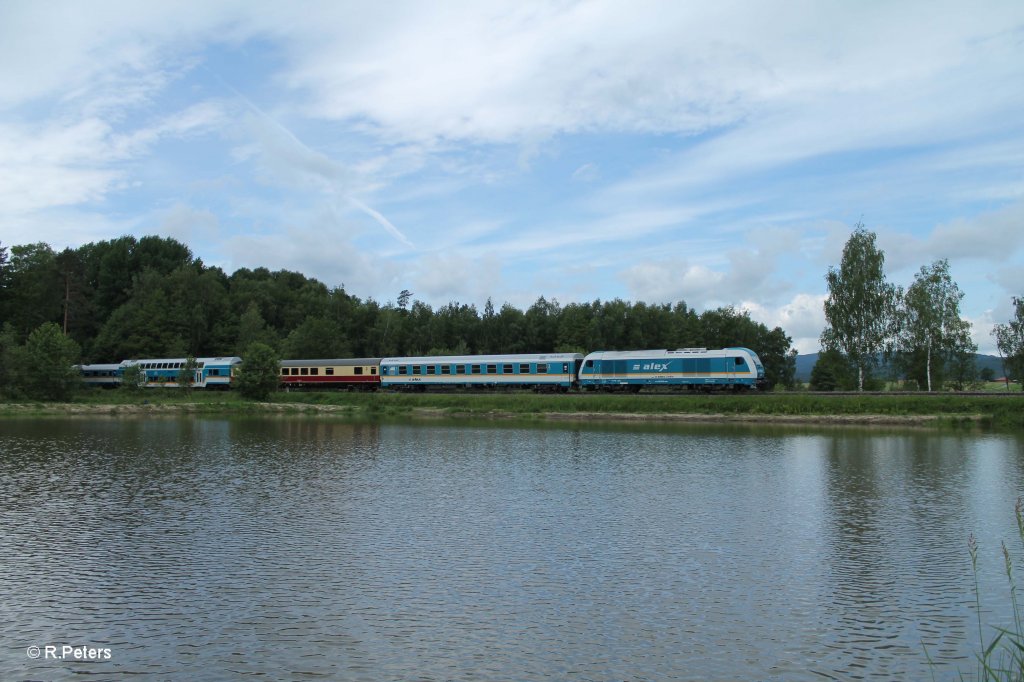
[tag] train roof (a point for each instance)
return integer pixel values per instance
(331, 362)
(229, 360)
(662, 353)
(485, 359)
(100, 367)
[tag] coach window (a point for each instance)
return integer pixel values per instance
(329, 371)
(403, 369)
(304, 371)
(284, 371)
(358, 371)
(446, 369)
(492, 369)
(524, 369)
(506, 369)
(417, 369)
(214, 373)
(373, 370)
(431, 369)
(476, 369)
(315, 371)
(542, 368)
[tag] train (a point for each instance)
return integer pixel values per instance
(736, 369)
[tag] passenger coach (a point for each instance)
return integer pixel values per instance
(736, 368)
(163, 372)
(550, 370)
(351, 373)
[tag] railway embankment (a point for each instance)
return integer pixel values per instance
(781, 408)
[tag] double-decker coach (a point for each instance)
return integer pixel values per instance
(164, 372)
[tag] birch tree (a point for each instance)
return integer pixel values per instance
(930, 317)
(860, 308)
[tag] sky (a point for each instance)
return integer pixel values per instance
(716, 153)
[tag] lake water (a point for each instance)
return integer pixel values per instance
(225, 549)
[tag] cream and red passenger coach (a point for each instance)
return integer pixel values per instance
(361, 373)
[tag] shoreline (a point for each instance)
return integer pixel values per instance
(349, 411)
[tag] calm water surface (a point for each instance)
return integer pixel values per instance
(206, 549)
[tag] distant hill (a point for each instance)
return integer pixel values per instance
(805, 363)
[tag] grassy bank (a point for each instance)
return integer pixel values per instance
(996, 411)
(1002, 412)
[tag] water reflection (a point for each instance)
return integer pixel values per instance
(218, 549)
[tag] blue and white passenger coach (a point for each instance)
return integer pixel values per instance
(549, 370)
(163, 372)
(736, 368)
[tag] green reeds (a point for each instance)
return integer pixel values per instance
(1001, 658)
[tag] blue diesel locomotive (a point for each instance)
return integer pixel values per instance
(735, 368)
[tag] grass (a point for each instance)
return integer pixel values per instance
(948, 408)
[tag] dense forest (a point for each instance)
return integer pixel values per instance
(151, 297)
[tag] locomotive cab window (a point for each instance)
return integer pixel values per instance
(590, 363)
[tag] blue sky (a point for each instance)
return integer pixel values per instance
(717, 153)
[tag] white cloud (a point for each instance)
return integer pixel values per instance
(189, 225)
(447, 277)
(802, 318)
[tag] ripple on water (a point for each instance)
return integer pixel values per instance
(230, 549)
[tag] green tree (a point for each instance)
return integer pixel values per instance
(11, 361)
(50, 372)
(832, 372)
(252, 328)
(860, 308)
(317, 337)
(930, 321)
(187, 373)
(133, 378)
(35, 287)
(259, 374)
(1010, 342)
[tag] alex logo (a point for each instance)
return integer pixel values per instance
(651, 367)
